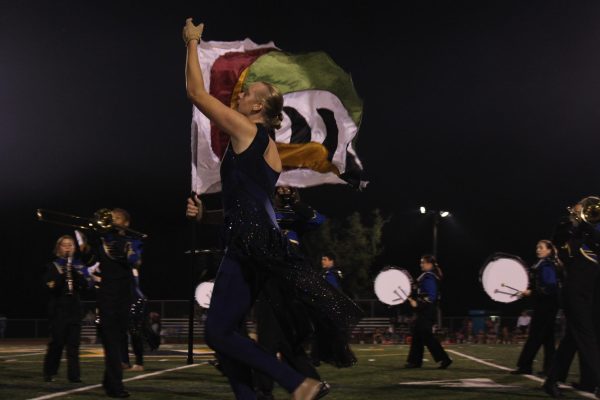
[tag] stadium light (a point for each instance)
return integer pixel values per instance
(437, 215)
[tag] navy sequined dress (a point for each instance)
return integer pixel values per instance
(253, 238)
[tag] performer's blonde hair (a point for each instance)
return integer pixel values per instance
(59, 242)
(272, 106)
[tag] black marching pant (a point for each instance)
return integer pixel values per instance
(581, 335)
(63, 334)
(137, 344)
(423, 336)
(238, 355)
(586, 379)
(114, 300)
(541, 333)
(272, 338)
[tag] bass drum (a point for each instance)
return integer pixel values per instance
(393, 285)
(203, 293)
(504, 277)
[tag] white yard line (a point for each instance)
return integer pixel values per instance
(86, 388)
(383, 355)
(21, 355)
(531, 377)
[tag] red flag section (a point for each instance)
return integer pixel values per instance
(225, 73)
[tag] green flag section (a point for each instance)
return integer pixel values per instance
(297, 72)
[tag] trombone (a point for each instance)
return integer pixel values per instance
(102, 221)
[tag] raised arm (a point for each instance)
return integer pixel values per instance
(233, 123)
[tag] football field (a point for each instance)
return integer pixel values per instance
(479, 372)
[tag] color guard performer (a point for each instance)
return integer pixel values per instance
(256, 249)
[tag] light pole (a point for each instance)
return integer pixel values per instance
(437, 216)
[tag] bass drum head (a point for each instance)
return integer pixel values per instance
(393, 286)
(203, 294)
(503, 278)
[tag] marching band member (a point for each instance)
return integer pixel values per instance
(331, 273)
(425, 306)
(333, 276)
(65, 280)
(116, 252)
(294, 216)
(137, 312)
(545, 291)
(578, 241)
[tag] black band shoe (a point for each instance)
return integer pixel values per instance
(582, 388)
(120, 395)
(522, 371)
(551, 388)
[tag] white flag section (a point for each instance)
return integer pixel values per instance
(306, 103)
(205, 163)
(310, 107)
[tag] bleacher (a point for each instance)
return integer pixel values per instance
(175, 330)
(88, 334)
(369, 325)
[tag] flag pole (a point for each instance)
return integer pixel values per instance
(193, 253)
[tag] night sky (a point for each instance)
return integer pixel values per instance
(487, 109)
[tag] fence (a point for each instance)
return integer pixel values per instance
(378, 319)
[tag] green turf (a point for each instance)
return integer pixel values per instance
(378, 375)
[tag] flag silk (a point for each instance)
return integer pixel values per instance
(321, 115)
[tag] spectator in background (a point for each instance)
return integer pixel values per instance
(467, 329)
(490, 327)
(361, 335)
(523, 322)
(469, 332)
(460, 337)
(156, 325)
(506, 336)
(378, 336)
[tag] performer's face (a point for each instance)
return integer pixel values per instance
(249, 99)
(326, 262)
(66, 248)
(426, 266)
(119, 220)
(542, 250)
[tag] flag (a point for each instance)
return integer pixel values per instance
(322, 113)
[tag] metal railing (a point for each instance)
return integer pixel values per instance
(452, 327)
